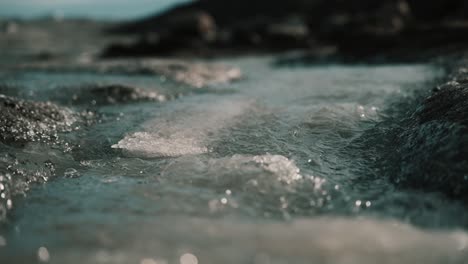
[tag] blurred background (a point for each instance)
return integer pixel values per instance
(389, 29)
(104, 9)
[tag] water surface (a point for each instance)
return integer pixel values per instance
(280, 167)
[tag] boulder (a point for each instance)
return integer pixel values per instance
(432, 150)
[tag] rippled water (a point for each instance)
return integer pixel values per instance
(283, 166)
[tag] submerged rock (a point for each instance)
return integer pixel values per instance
(190, 73)
(438, 9)
(113, 94)
(23, 121)
(105, 94)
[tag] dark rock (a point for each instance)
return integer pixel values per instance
(433, 159)
(196, 24)
(225, 13)
(203, 26)
(112, 94)
(421, 144)
(449, 103)
(438, 9)
(361, 28)
(105, 94)
(257, 25)
(189, 29)
(432, 149)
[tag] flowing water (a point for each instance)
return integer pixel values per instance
(283, 166)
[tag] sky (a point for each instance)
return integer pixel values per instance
(103, 9)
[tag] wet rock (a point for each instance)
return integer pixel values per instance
(448, 103)
(292, 28)
(370, 29)
(265, 34)
(189, 29)
(196, 24)
(113, 94)
(438, 9)
(23, 121)
(419, 145)
(359, 28)
(208, 27)
(225, 14)
(387, 18)
(433, 147)
(102, 94)
(265, 26)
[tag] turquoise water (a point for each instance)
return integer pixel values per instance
(279, 167)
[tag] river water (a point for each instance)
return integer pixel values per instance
(282, 166)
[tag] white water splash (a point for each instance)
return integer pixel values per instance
(184, 131)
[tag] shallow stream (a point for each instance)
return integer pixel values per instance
(282, 166)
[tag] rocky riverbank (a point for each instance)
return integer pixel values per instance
(406, 29)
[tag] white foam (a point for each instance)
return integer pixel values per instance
(186, 130)
(238, 168)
